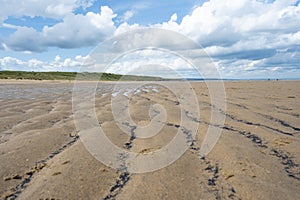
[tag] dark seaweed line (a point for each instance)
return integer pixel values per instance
(287, 161)
(194, 119)
(254, 138)
(210, 168)
(119, 185)
(282, 108)
(215, 170)
(214, 179)
(290, 114)
(125, 176)
(251, 123)
(128, 145)
(19, 188)
(257, 124)
(283, 123)
(247, 122)
(238, 105)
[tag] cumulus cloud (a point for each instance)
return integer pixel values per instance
(125, 27)
(249, 36)
(9, 63)
(80, 30)
(26, 39)
(46, 8)
(152, 62)
(127, 15)
(74, 31)
(227, 22)
(245, 35)
(230, 25)
(285, 64)
(57, 64)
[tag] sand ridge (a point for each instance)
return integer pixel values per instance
(257, 156)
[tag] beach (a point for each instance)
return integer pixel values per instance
(256, 157)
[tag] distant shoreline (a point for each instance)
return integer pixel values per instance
(25, 76)
(72, 76)
(26, 81)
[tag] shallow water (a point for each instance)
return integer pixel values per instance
(55, 90)
(33, 91)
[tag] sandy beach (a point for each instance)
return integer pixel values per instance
(256, 157)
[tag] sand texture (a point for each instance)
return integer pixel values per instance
(256, 157)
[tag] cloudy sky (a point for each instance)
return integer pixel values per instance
(244, 38)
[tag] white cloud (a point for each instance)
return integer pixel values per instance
(241, 35)
(127, 15)
(68, 64)
(74, 31)
(45, 8)
(232, 25)
(57, 59)
(81, 30)
(125, 27)
(152, 62)
(84, 3)
(226, 22)
(25, 39)
(171, 24)
(9, 63)
(245, 36)
(279, 65)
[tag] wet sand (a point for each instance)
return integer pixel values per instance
(256, 157)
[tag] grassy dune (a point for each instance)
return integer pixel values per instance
(19, 75)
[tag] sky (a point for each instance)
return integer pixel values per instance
(243, 38)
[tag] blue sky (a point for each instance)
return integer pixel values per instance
(244, 38)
